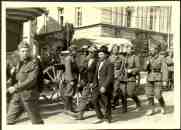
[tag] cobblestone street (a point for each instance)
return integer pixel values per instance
(53, 114)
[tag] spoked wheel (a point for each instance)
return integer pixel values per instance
(56, 84)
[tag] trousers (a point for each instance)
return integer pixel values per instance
(16, 107)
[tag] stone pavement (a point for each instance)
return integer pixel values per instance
(53, 114)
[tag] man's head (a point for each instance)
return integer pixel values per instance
(115, 49)
(131, 50)
(154, 50)
(92, 51)
(103, 53)
(24, 50)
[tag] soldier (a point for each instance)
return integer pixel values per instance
(71, 77)
(82, 64)
(86, 98)
(132, 70)
(116, 60)
(170, 64)
(154, 66)
(25, 90)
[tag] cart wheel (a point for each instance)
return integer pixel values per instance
(55, 78)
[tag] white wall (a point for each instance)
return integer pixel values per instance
(88, 32)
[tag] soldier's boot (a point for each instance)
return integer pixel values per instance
(68, 106)
(152, 110)
(115, 102)
(124, 104)
(138, 103)
(80, 115)
(162, 104)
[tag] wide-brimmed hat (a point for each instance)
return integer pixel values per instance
(104, 49)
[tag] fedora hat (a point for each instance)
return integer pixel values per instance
(104, 49)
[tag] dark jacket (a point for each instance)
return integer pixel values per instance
(106, 74)
(91, 70)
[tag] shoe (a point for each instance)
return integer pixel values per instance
(98, 121)
(68, 112)
(79, 116)
(163, 110)
(150, 112)
(124, 110)
(113, 107)
(13, 123)
(107, 120)
(138, 108)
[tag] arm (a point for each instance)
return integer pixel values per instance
(164, 70)
(136, 68)
(109, 76)
(68, 69)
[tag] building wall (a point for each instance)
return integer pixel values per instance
(123, 19)
(88, 32)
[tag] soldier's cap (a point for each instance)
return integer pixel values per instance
(85, 47)
(72, 48)
(92, 49)
(23, 44)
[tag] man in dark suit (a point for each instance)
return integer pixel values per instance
(103, 85)
(25, 93)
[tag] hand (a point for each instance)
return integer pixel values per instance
(11, 90)
(165, 83)
(13, 70)
(129, 70)
(91, 84)
(72, 83)
(102, 90)
(45, 81)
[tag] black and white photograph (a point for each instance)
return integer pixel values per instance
(90, 65)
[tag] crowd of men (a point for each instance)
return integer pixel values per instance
(102, 77)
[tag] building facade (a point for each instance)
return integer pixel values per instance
(122, 22)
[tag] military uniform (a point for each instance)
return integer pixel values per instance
(170, 66)
(26, 95)
(71, 77)
(87, 93)
(155, 66)
(117, 62)
(129, 87)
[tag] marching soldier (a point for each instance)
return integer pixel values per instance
(132, 70)
(86, 98)
(170, 64)
(71, 77)
(116, 60)
(155, 70)
(25, 93)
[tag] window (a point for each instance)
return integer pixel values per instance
(151, 19)
(78, 16)
(128, 16)
(45, 21)
(60, 16)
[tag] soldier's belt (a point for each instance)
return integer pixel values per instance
(156, 70)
